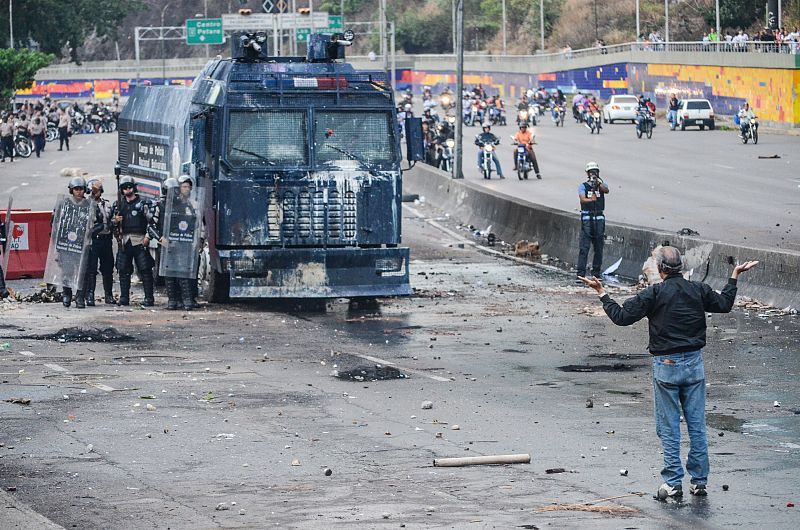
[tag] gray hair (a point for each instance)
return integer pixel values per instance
(668, 260)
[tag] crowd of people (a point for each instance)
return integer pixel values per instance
(26, 128)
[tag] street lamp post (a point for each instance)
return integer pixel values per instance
(638, 29)
(666, 21)
(11, 24)
(505, 47)
(163, 57)
(541, 23)
(459, 132)
(719, 36)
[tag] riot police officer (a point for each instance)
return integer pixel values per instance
(77, 191)
(186, 186)
(132, 218)
(592, 196)
(101, 251)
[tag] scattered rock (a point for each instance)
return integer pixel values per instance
(455, 428)
(150, 407)
(328, 472)
(73, 172)
(606, 404)
(589, 403)
(427, 405)
(554, 470)
(776, 404)
(222, 507)
(623, 472)
(295, 462)
(725, 487)
(242, 512)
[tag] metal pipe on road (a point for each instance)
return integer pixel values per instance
(482, 460)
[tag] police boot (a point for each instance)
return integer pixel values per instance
(194, 288)
(173, 301)
(108, 288)
(148, 284)
(66, 297)
(80, 301)
(124, 289)
(91, 283)
(186, 294)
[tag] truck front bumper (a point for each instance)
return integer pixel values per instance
(317, 273)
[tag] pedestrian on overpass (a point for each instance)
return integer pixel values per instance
(676, 312)
(592, 195)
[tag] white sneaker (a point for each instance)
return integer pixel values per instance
(666, 491)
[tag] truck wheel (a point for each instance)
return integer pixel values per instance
(217, 288)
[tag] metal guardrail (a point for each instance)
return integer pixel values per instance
(749, 47)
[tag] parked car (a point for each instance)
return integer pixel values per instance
(696, 112)
(620, 108)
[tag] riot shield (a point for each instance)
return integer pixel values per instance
(70, 239)
(183, 223)
(7, 236)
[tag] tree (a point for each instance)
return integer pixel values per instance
(18, 68)
(54, 26)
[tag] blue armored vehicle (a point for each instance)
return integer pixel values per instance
(301, 164)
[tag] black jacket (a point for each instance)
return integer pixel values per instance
(676, 310)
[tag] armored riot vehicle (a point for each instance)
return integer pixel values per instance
(301, 164)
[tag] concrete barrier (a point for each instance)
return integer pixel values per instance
(775, 281)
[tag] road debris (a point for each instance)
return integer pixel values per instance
(623, 472)
(75, 334)
(328, 472)
(725, 487)
(150, 407)
(455, 428)
(592, 506)
(296, 462)
(555, 470)
(482, 460)
(427, 405)
(589, 403)
(222, 507)
(377, 372)
(768, 157)
(18, 401)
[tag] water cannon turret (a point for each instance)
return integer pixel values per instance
(328, 47)
(249, 46)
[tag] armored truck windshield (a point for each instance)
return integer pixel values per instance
(279, 138)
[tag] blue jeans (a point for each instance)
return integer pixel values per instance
(496, 162)
(679, 385)
(672, 117)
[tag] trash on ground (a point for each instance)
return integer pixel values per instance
(482, 460)
(377, 372)
(18, 401)
(555, 470)
(427, 405)
(768, 157)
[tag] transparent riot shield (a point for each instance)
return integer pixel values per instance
(70, 239)
(182, 230)
(5, 241)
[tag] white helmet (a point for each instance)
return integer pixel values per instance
(486, 125)
(592, 166)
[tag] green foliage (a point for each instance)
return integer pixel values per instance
(334, 6)
(18, 68)
(425, 31)
(53, 24)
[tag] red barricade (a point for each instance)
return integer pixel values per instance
(27, 243)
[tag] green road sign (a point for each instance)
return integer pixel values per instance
(335, 23)
(302, 34)
(204, 31)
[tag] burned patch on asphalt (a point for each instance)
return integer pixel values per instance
(84, 335)
(616, 367)
(376, 372)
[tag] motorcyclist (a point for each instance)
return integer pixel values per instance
(484, 138)
(745, 113)
(132, 217)
(578, 104)
(591, 108)
(101, 252)
(672, 113)
(642, 111)
(525, 137)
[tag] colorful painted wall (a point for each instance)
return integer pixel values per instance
(773, 94)
(91, 89)
(602, 81)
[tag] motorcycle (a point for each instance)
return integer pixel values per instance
(446, 101)
(533, 114)
(577, 113)
(593, 122)
(647, 124)
(524, 164)
(446, 155)
(23, 147)
(557, 114)
(750, 131)
(522, 117)
(471, 115)
(497, 116)
(487, 162)
(51, 135)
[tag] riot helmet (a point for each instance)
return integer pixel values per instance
(171, 182)
(126, 182)
(76, 182)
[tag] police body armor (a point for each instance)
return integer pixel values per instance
(595, 208)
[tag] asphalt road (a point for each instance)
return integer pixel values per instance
(239, 404)
(704, 180)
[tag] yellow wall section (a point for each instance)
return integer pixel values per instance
(773, 94)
